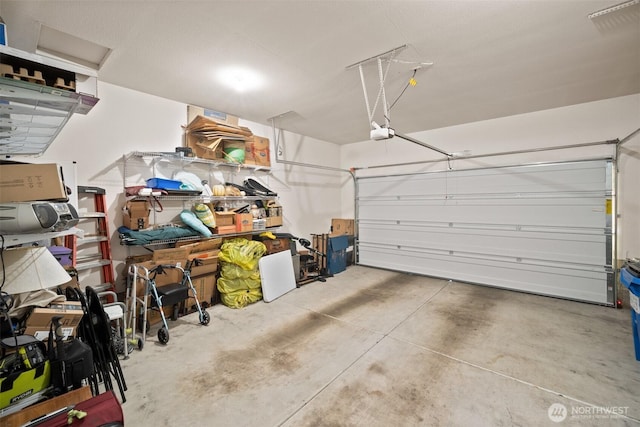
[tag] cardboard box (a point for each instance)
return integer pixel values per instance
(218, 116)
(25, 182)
(249, 159)
(208, 262)
(204, 246)
(274, 214)
(225, 229)
(260, 143)
(170, 256)
(206, 257)
(203, 148)
(205, 290)
(137, 259)
(273, 208)
(225, 218)
(39, 320)
(135, 214)
(273, 221)
(277, 245)
(342, 227)
(260, 153)
(244, 222)
(153, 316)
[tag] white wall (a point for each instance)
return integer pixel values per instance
(590, 122)
(124, 121)
(310, 196)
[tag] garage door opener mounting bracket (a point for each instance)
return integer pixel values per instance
(385, 131)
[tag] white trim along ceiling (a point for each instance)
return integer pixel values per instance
(544, 228)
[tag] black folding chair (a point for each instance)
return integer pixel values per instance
(95, 330)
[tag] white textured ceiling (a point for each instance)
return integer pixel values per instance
(491, 58)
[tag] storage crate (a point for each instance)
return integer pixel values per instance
(62, 254)
(632, 282)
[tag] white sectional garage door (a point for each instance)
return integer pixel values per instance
(544, 228)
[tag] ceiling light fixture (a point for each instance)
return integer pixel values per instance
(240, 79)
(613, 8)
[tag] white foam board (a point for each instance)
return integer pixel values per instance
(276, 273)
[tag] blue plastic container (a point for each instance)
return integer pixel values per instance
(163, 184)
(633, 284)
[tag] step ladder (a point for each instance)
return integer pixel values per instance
(83, 255)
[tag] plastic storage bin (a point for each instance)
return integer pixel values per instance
(62, 254)
(632, 282)
(163, 184)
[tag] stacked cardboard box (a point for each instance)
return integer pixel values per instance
(225, 222)
(207, 137)
(209, 132)
(203, 274)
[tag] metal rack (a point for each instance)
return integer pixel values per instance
(31, 113)
(185, 161)
(140, 165)
(21, 239)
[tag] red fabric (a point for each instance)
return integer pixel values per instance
(102, 410)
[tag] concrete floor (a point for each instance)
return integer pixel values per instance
(379, 348)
